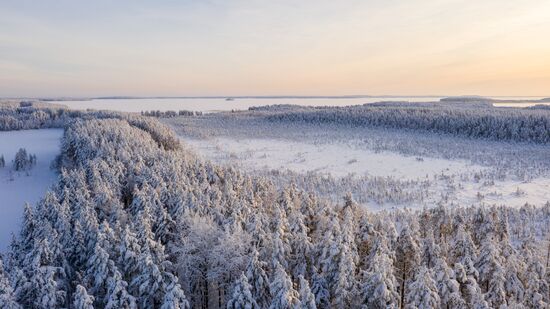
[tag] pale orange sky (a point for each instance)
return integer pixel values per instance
(171, 48)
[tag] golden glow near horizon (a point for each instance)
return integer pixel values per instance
(445, 47)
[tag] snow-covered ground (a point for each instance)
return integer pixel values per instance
(449, 181)
(16, 188)
(338, 159)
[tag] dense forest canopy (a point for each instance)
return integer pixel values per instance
(464, 119)
(135, 220)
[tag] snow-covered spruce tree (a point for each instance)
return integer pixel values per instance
(422, 292)
(447, 286)
(21, 161)
(430, 251)
(27, 232)
(193, 254)
(82, 300)
(491, 273)
(378, 286)
(336, 260)
(466, 275)
(117, 295)
(307, 299)
(241, 297)
(319, 287)
(128, 253)
(283, 294)
(300, 245)
(7, 295)
(228, 259)
(258, 280)
(280, 245)
(148, 284)
(514, 267)
(174, 298)
(106, 281)
(2, 161)
(536, 287)
(407, 259)
(462, 246)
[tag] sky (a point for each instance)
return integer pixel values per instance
(71, 48)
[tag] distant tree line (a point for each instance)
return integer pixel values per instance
(513, 124)
(170, 114)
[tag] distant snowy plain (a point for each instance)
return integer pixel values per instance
(17, 188)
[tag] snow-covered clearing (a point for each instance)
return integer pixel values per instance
(410, 178)
(338, 159)
(16, 188)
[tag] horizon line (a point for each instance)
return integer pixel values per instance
(351, 96)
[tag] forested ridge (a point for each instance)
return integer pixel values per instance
(137, 221)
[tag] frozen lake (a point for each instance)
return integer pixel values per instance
(221, 104)
(137, 105)
(17, 188)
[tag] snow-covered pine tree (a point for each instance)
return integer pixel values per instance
(22, 286)
(76, 249)
(487, 261)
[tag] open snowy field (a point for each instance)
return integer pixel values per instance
(16, 188)
(456, 180)
(338, 159)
